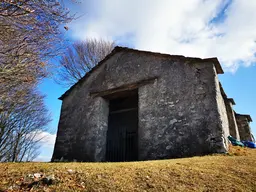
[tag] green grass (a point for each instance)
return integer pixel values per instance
(233, 172)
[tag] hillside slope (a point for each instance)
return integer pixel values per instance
(209, 173)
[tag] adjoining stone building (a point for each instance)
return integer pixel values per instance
(139, 105)
(243, 123)
(229, 102)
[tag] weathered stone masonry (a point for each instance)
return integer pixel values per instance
(233, 128)
(244, 127)
(181, 109)
(229, 102)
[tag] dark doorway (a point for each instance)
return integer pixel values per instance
(122, 135)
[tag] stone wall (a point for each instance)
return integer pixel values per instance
(223, 119)
(233, 129)
(181, 113)
(243, 123)
(179, 116)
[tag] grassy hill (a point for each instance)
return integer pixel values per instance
(233, 172)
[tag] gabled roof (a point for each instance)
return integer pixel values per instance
(117, 49)
(248, 117)
(232, 101)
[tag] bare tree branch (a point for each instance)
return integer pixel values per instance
(21, 127)
(80, 58)
(30, 35)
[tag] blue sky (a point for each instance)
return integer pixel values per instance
(198, 28)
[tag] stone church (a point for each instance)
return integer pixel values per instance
(139, 105)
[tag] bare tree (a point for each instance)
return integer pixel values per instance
(80, 58)
(30, 35)
(20, 129)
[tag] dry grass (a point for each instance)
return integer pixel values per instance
(240, 151)
(233, 172)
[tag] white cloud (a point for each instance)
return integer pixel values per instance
(46, 145)
(48, 138)
(177, 27)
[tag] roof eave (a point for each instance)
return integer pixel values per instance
(216, 63)
(245, 115)
(232, 101)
